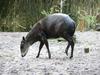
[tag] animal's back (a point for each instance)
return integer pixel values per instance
(56, 25)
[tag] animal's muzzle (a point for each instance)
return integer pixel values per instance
(22, 55)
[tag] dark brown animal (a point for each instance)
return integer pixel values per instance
(52, 26)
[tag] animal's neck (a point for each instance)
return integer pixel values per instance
(32, 36)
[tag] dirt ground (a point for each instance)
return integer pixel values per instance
(11, 62)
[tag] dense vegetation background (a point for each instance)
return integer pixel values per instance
(20, 15)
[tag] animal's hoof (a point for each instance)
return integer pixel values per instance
(71, 57)
(37, 56)
(49, 57)
(67, 54)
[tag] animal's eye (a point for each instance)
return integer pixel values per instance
(22, 41)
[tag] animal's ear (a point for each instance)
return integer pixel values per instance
(23, 38)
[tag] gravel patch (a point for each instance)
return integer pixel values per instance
(11, 62)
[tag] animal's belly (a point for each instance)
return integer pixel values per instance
(52, 35)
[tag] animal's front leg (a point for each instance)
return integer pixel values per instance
(40, 47)
(47, 45)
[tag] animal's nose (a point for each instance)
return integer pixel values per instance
(22, 55)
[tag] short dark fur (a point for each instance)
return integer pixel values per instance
(52, 26)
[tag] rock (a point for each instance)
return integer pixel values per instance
(86, 50)
(97, 27)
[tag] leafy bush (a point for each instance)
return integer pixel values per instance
(90, 21)
(53, 9)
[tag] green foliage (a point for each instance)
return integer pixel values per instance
(90, 21)
(53, 9)
(21, 15)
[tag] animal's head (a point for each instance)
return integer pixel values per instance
(24, 47)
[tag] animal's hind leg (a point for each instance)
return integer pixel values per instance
(40, 47)
(70, 42)
(66, 50)
(47, 46)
